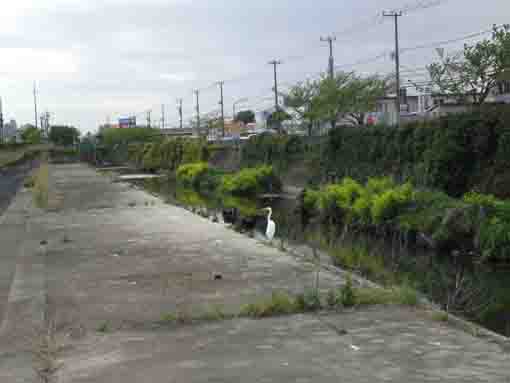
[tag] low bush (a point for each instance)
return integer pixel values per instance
(403, 295)
(347, 294)
(308, 301)
(192, 174)
(477, 222)
(251, 181)
(279, 304)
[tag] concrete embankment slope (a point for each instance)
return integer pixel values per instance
(117, 260)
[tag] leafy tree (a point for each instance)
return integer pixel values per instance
(475, 72)
(277, 117)
(31, 135)
(246, 116)
(348, 95)
(64, 135)
(364, 94)
(302, 100)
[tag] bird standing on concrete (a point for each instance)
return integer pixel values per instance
(271, 225)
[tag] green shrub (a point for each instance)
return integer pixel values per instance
(308, 301)
(192, 174)
(40, 190)
(251, 181)
(495, 238)
(486, 201)
(347, 295)
(391, 203)
(403, 295)
(279, 304)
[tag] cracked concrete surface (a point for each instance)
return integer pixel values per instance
(120, 256)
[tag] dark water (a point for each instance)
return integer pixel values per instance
(480, 293)
(11, 179)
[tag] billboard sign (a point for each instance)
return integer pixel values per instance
(129, 122)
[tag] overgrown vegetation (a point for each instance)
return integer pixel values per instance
(195, 174)
(250, 181)
(455, 154)
(40, 189)
(476, 222)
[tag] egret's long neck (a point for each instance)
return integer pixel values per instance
(269, 215)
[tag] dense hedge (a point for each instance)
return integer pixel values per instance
(477, 222)
(454, 154)
(278, 151)
(168, 154)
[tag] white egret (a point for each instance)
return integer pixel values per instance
(271, 225)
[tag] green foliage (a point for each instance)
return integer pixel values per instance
(167, 154)
(495, 238)
(359, 259)
(486, 201)
(251, 181)
(449, 223)
(377, 296)
(245, 116)
(31, 135)
(64, 135)
(348, 95)
(388, 205)
(379, 201)
(454, 154)
(309, 301)
(111, 137)
(191, 174)
(40, 189)
(473, 74)
(280, 303)
(104, 327)
(347, 294)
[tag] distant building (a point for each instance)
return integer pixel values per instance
(10, 131)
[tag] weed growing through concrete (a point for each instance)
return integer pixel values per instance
(104, 327)
(280, 303)
(41, 187)
(440, 316)
(378, 296)
(45, 351)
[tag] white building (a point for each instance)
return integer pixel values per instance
(10, 131)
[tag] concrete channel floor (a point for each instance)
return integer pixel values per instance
(107, 255)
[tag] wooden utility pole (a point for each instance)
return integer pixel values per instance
(179, 110)
(395, 16)
(197, 95)
(162, 116)
(149, 119)
(35, 106)
(331, 62)
(220, 83)
(274, 63)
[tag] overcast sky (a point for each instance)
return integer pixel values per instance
(94, 59)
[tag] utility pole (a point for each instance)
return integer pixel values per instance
(162, 116)
(331, 66)
(220, 83)
(274, 63)
(197, 94)
(396, 15)
(179, 109)
(149, 118)
(1, 122)
(47, 120)
(35, 105)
